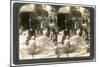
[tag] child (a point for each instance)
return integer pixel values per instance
(66, 45)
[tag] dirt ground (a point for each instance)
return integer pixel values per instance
(23, 53)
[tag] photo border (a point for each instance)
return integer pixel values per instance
(15, 39)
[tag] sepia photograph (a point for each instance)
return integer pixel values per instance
(53, 31)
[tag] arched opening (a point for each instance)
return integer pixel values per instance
(30, 17)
